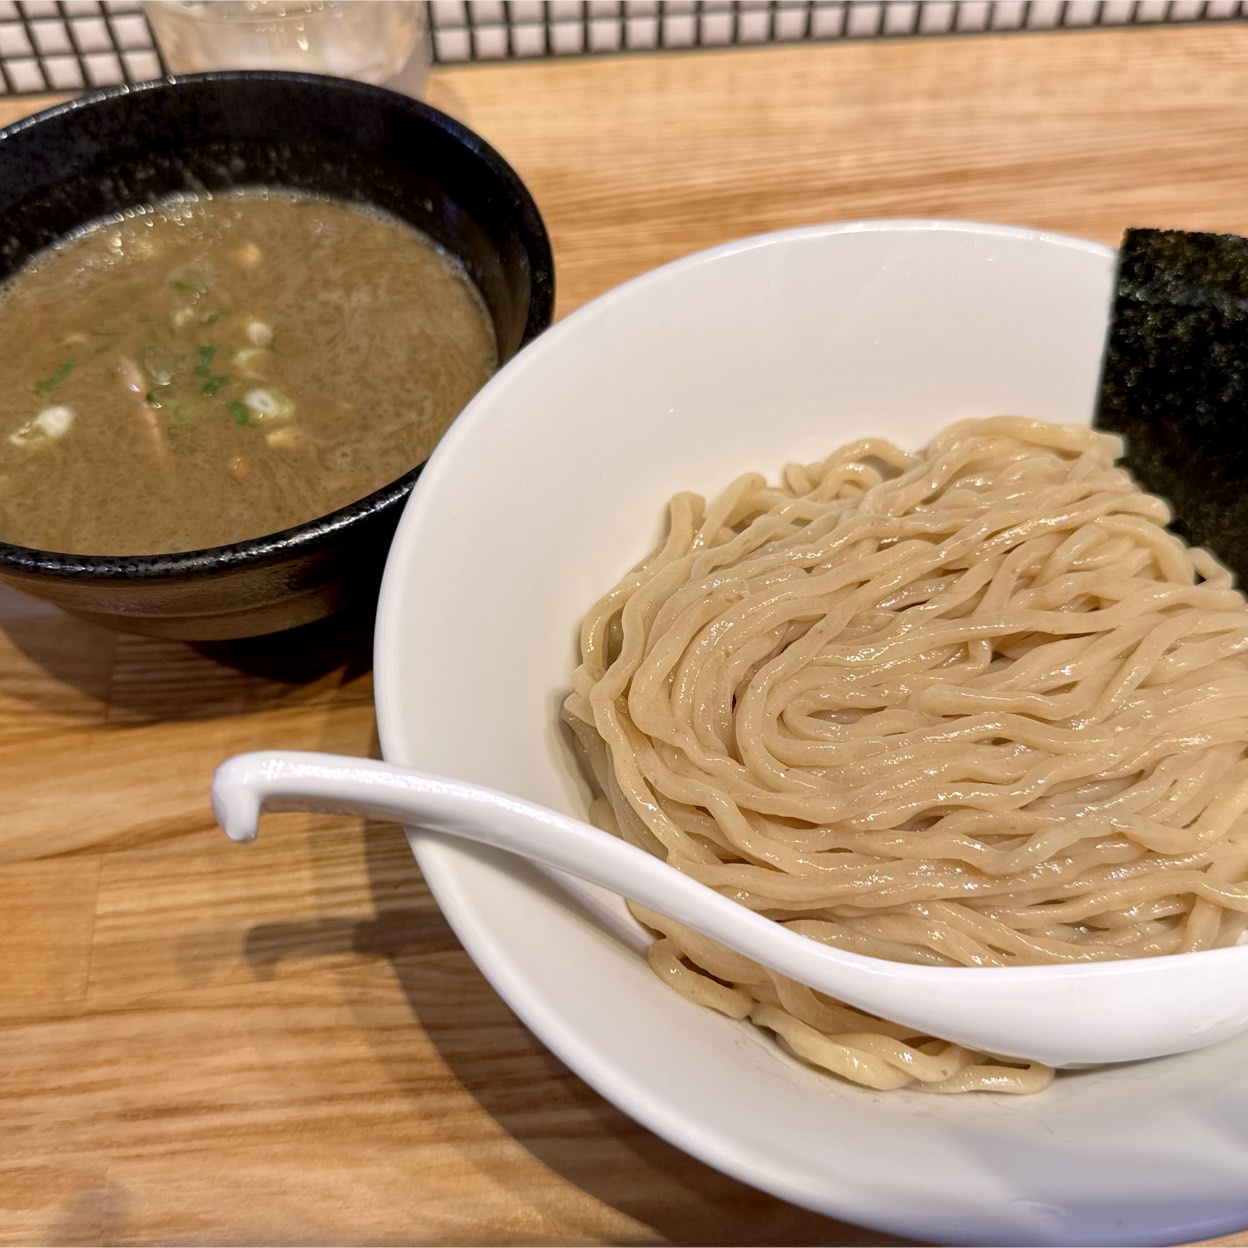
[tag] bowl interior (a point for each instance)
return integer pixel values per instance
(216, 132)
(550, 486)
(112, 150)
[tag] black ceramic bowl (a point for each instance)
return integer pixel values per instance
(122, 147)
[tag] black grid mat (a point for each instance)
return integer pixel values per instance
(464, 31)
(70, 45)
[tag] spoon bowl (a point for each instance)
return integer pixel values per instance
(1061, 1015)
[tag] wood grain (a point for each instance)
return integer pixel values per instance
(200, 1045)
(636, 161)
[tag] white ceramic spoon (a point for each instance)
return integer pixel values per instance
(1061, 1015)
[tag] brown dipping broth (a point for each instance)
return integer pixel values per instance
(214, 369)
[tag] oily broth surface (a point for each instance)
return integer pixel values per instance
(230, 366)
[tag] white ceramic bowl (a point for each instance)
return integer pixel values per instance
(546, 490)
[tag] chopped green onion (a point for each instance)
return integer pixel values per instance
(213, 384)
(58, 376)
(151, 400)
(205, 354)
(179, 415)
(259, 334)
(250, 361)
(159, 364)
(50, 424)
(268, 405)
(213, 317)
(195, 286)
(240, 412)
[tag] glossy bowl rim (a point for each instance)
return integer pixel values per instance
(310, 535)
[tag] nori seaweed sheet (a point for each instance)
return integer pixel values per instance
(1174, 381)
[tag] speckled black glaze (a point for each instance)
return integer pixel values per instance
(71, 165)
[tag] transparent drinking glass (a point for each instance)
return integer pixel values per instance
(377, 41)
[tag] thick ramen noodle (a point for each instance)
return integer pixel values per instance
(975, 706)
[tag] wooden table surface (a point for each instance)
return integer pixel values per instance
(200, 1044)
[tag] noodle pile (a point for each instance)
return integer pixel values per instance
(973, 707)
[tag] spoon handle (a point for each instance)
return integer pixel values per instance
(248, 784)
(1062, 1015)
